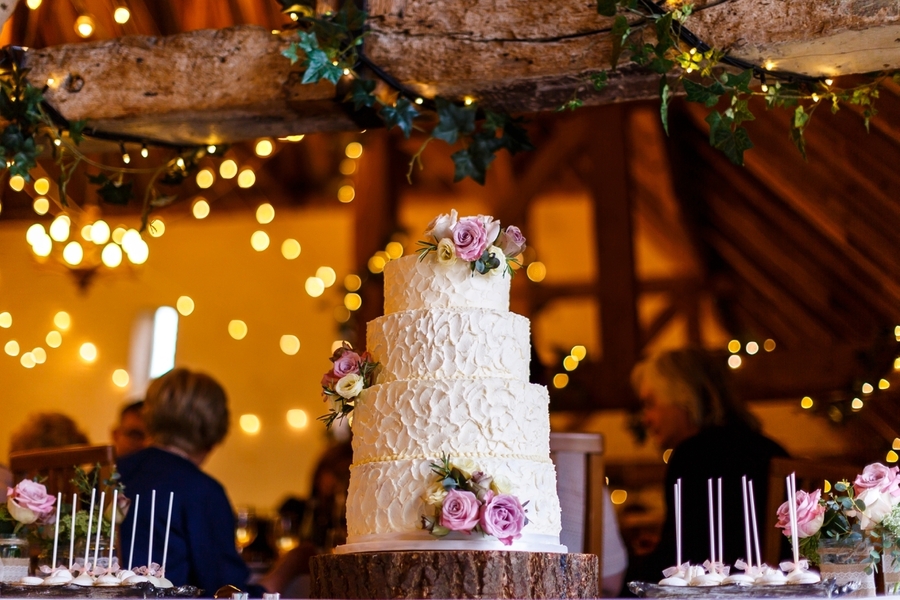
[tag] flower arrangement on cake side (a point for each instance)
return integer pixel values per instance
(350, 374)
(865, 512)
(467, 500)
(479, 241)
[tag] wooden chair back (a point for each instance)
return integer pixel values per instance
(811, 475)
(56, 466)
(580, 477)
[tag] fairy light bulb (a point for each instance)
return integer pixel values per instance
(121, 15)
(84, 26)
(73, 253)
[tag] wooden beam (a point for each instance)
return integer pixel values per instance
(233, 84)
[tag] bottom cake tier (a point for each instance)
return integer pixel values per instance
(386, 503)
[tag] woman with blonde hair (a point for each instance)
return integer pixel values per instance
(187, 417)
(689, 407)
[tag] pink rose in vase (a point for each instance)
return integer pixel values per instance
(459, 512)
(470, 238)
(810, 515)
(29, 501)
(503, 517)
(876, 476)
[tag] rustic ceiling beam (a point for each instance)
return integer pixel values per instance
(234, 84)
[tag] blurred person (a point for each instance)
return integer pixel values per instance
(325, 524)
(46, 430)
(187, 417)
(615, 555)
(130, 434)
(688, 406)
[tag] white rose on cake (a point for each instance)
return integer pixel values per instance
(349, 386)
(446, 252)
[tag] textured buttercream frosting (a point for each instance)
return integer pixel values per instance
(450, 343)
(453, 382)
(410, 283)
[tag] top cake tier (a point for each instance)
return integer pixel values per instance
(410, 284)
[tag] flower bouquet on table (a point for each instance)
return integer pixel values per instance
(467, 500)
(349, 375)
(854, 523)
(479, 241)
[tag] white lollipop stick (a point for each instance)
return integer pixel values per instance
(678, 523)
(721, 547)
(137, 503)
(112, 527)
(746, 521)
(99, 529)
(152, 514)
(166, 542)
(792, 505)
(56, 532)
(712, 524)
(87, 540)
(72, 531)
(753, 522)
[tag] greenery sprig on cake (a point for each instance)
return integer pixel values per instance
(480, 241)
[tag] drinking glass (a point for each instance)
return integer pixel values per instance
(285, 534)
(245, 528)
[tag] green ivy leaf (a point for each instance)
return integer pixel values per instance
(351, 17)
(453, 120)
(291, 52)
(664, 97)
(76, 130)
(573, 104)
(361, 93)
(474, 160)
(618, 34)
(600, 80)
(739, 82)
(706, 95)
(110, 191)
(318, 65)
(515, 138)
(400, 115)
(732, 141)
(664, 37)
(740, 110)
(607, 8)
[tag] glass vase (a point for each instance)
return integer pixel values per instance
(890, 564)
(843, 561)
(14, 557)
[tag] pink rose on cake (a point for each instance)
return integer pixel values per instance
(29, 502)
(470, 238)
(503, 517)
(511, 241)
(810, 515)
(460, 511)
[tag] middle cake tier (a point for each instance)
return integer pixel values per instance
(450, 344)
(414, 419)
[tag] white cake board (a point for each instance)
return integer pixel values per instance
(424, 541)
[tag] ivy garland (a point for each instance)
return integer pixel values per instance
(26, 120)
(331, 48)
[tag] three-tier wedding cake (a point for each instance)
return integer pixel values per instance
(450, 440)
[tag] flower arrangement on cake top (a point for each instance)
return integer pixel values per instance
(865, 511)
(466, 499)
(350, 374)
(479, 241)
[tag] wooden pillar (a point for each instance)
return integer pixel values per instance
(375, 210)
(608, 181)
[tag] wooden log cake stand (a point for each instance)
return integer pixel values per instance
(454, 574)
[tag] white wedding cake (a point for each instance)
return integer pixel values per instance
(452, 383)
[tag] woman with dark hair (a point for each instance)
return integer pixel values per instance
(688, 407)
(187, 417)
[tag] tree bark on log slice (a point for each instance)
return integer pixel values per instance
(455, 574)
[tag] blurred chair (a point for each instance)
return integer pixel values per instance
(579, 481)
(56, 466)
(811, 475)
